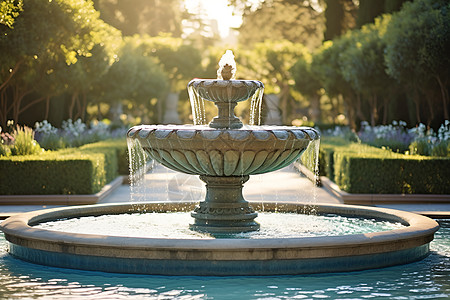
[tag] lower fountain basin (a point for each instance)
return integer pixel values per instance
(218, 257)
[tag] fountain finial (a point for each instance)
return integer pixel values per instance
(227, 66)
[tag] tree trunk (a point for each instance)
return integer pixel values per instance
(47, 107)
(3, 108)
(417, 103)
(359, 112)
(445, 97)
(431, 108)
(373, 109)
(72, 105)
(385, 109)
(5, 83)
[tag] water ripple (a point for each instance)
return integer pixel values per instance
(426, 279)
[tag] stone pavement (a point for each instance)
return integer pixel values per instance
(285, 185)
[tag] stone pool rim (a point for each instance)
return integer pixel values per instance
(219, 257)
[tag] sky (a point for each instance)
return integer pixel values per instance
(216, 9)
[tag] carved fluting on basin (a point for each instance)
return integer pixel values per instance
(199, 150)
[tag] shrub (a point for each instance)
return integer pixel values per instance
(48, 136)
(83, 170)
(420, 147)
(5, 150)
(75, 134)
(392, 174)
(441, 149)
(360, 168)
(52, 173)
(24, 143)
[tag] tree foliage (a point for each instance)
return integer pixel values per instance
(295, 21)
(47, 38)
(151, 17)
(371, 68)
(272, 62)
(9, 11)
(340, 17)
(368, 10)
(362, 65)
(136, 79)
(180, 61)
(418, 43)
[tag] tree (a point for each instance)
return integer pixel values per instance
(340, 17)
(46, 35)
(307, 83)
(362, 65)
(295, 21)
(135, 79)
(9, 11)
(343, 98)
(418, 43)
(180, 61)
(391, 6)
(151, 17)
(272, 62)
(368, 10)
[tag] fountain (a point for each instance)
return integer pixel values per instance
(224, 154)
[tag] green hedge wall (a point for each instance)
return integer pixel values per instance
(83, 170)
(359, 168)
(116, 156)
(392, 175)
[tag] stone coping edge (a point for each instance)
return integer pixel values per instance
(218, 257)
(374, 199)
(63, 199)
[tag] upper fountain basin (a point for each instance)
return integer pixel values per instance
(229, 91)
(198, 149)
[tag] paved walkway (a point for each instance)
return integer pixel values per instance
(285, 185)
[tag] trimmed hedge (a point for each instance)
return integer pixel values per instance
(359, 168)
(404, 174)
(116, 156)
(83, 170)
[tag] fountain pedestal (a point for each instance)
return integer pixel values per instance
(226, 117)
(224, 209)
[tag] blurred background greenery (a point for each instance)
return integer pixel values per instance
(328, 61)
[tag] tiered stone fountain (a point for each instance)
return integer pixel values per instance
(224, 154)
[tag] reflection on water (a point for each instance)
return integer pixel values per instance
(427, 279)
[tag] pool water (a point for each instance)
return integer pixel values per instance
(426, 279)
(176, 225)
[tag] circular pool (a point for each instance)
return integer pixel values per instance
(219, 256)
